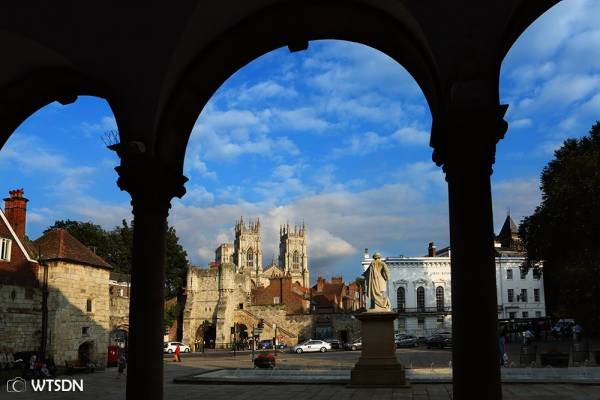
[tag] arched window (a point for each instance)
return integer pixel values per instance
(420, 299)
(400, 299)
(296, 260)
(250, 258)
(439, 298)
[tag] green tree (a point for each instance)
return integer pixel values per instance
(115, 247)
(564, 228)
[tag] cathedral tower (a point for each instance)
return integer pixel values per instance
(293, 257)
(247, 250)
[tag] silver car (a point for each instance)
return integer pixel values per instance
(312, 345)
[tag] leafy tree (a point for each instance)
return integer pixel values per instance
(563, 230)
(115, 247)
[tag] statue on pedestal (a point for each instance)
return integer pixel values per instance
(378, 274)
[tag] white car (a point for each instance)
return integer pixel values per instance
(170, 347)
(312, 345)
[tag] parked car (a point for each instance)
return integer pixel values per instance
(355, 345)
(311, 345)
(407, 341)
(439, 341)
(266, 344)
(170, 347)
(335, 343)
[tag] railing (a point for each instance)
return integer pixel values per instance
(423, 310)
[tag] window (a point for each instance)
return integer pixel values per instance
(509, 274)
(524, 295)
(536, 294)
(440, 322)
(421, 299)
(538, 314)
(512, 315)
(536, 273)
(523, 273)
(250, 258)
(5, 249)
(88, 305)
(296, 260)
(85, 331)
(121, 292)
(511, 295)
(402, 324)
(276, 300)
(439, 298)
(400, 299)
(525, 314)
(421, 322)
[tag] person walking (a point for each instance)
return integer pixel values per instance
(177, 357)
(502, 347)
(122, 365)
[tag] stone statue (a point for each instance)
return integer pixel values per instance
(378, 274)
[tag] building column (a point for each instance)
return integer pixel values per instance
(151, 187)
(467, 154)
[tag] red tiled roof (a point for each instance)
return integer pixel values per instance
(59, 244)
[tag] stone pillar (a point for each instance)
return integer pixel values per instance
(151, 188)
(377, 365)
(467, 155)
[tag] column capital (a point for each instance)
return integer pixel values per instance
(149, 182)
(464, 138)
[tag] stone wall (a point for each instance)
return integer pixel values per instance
(20, 318)
(119, 313)
(70, 323)
(202, 291)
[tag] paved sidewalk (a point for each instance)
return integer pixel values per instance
(106, 385)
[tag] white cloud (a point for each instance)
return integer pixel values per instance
(361, 144)
(265, 90)
(411, 135)
(520, 196)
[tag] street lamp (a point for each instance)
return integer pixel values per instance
(275, 329)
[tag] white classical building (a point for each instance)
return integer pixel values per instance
(420, 287)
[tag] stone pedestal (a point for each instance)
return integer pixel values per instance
(378, 365)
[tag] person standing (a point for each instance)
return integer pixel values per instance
(502, 346)
(177, 354)
(122, 365)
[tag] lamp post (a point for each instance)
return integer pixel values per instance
(275, 344)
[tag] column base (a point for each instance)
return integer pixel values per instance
(378, 365)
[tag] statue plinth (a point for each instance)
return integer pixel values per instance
(378, 365)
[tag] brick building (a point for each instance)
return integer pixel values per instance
(78, 306)
(281, 290)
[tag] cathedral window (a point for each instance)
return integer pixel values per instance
(421, 299)
(400, 299)
(296, 260)
(439, 298)
(250, 258)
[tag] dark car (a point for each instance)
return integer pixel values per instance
(265, 344)
(335, 343)
(440, 341)
(406, 341)
(356, 345)
(264, 361)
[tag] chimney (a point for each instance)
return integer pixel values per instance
(320, 284)
(15, 209)
(431, 250)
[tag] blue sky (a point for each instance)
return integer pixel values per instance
(336, 136)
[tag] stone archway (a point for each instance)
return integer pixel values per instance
(86, 352)
(205, 336)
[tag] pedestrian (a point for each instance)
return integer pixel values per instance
(577, 332)
(3, 359)
(122, 365)
(177, 357)
(527, 337)
(501, 345)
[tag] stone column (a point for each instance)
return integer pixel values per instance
(467, 154)
(151, 188)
